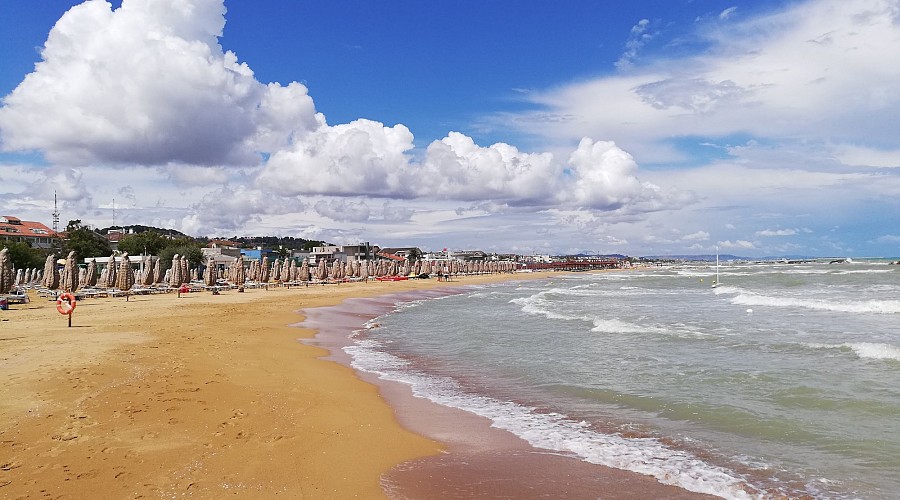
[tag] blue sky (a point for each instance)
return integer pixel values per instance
(632, 127)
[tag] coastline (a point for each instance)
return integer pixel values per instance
(478, 460)
(202, 395)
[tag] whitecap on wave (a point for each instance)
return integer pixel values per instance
(864, 350)
(857, 307)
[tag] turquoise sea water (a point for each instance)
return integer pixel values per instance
(783, 380)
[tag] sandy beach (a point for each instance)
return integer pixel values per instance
(213, 395)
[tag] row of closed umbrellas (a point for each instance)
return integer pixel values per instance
(119, 272)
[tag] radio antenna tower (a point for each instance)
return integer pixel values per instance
(55, 214)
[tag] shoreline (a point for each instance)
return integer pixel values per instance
(201, 395)
(479, 460)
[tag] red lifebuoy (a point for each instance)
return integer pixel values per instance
(65, 303)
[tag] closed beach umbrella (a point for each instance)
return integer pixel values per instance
(239, 273)
(322, 270)
(286, 269)
(125, 274)
(69, 280)
(264, 270)
(51, 275)
(109, 275)
(276, 270)
(91, 275)
(157, 272)
(251, 271)
(6, 272)
(175, 272)
(364, 271)
(185, 269)
(211, 274)
(304, 270)
(294, 272)
(147, 277)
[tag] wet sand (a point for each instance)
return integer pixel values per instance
(478, 461)
(209, 396)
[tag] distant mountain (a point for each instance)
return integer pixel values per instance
(138, 228)
(696, 258)
(728, 257)
(606, 255)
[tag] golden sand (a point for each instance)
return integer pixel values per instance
(204, 395)
(208, 396)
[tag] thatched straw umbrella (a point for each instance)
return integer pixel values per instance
(364, 271)
(322, 270)
(175, 272)
(69, 280)
(125, 274)
(6, 272)
(286, 269)
(253, 272)
(211, 274)
(264, 270)
(51, 275)
(108, 280)
(185, 269)
(293, 272)
(147, 277)
(90, 275)
(157, 274)
(239, 272)
(276, 270)
(304, 271)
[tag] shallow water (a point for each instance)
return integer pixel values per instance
(784, 379)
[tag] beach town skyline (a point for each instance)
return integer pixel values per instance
(647, 129)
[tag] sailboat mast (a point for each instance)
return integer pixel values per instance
(716, 283)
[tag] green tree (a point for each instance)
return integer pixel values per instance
(84, 241)
(146, 243)
(181, 246)
(414, 255)
(22, 255)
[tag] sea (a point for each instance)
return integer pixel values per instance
(784, 380)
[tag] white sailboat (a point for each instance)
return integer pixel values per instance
(716, 282)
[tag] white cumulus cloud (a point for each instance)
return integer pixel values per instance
(147, 84)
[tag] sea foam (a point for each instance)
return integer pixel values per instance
(864, 350)
(856, 307)
(556, 432)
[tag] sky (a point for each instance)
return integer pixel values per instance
(758, 128)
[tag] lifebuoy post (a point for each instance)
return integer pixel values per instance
(65, 304)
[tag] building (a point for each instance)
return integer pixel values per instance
(404, 252)
(35, 234)
(221, 255)
(363, 251)
(258, 254)
(470, 255)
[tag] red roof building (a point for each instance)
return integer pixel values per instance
(34, 233)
